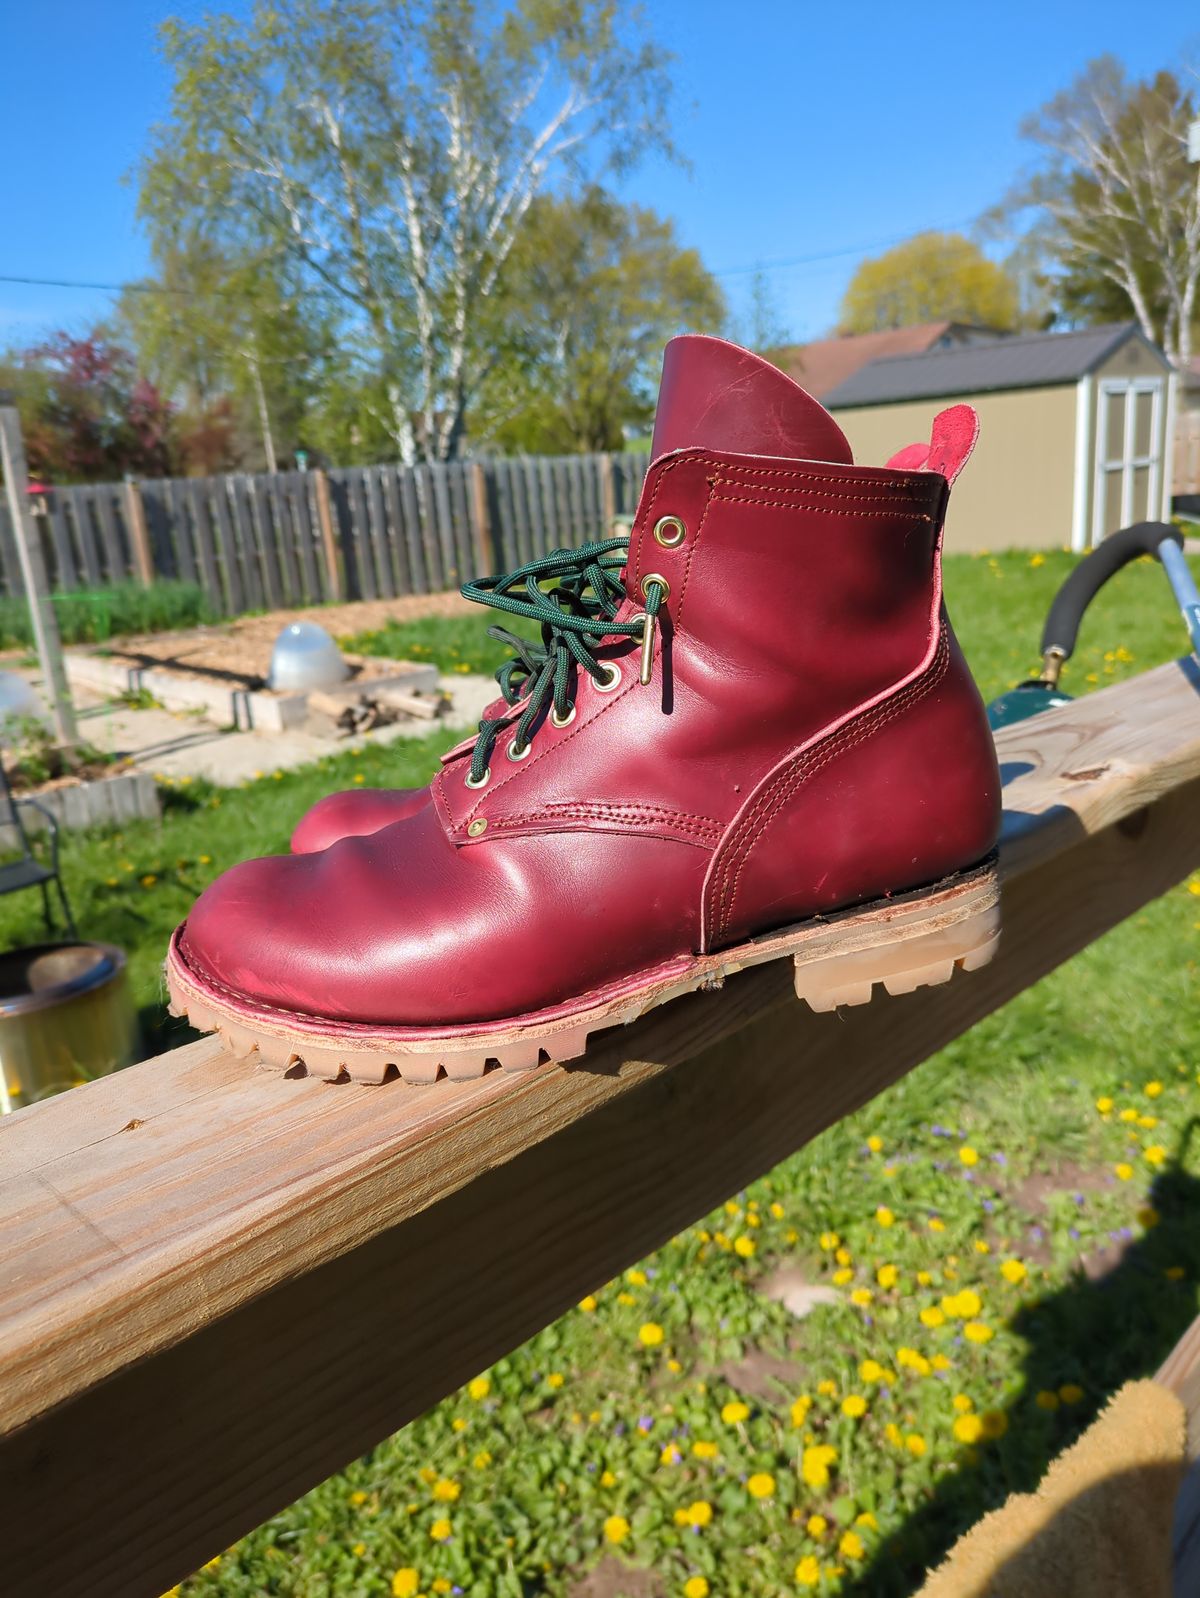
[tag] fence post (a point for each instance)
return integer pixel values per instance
(333, 570)
(485, 553)
(139, 538)
(608, 494)
(33, 569)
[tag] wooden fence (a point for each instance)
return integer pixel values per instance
(220, 1286)
(256, 542)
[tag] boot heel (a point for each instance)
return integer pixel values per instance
(913, 957)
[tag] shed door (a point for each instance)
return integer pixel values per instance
(1128, 453)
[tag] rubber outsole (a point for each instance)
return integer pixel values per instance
(911, 941)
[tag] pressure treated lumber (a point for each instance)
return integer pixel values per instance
(217, 1287)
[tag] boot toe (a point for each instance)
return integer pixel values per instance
(354, 814)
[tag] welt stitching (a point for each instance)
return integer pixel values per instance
(776, 795)
(706, 834)
(660, 812)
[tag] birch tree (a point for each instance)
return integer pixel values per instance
(390, 150)
(1116, 197)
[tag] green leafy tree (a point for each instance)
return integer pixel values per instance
(389, 151)
(1114, 205)
(929, 278)
(594, 290)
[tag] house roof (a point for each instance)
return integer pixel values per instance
(1035, 360)
(826, 362)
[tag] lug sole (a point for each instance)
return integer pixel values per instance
(911, 941)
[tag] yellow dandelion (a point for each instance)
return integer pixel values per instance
(978, 1332)
(968, 1155)
(705, 1450)
(555, 1379)
(777, 1210)
(875, 1144)
(405, 1583)
(1070, 1393)
(884, 1216)
(479, 1387)
(827, 1388)
(1124, 1171)
(588, 1304)
(941, 1362)
(482, 1459)
(816, 1462)
(1152, 1089)
(1155, 1154)
(745, 1247)
(968, 1429)
(637, 1278)
(1014, 1271)
(446, 1491)
(761, 1485)
(886, 1276)
(851, 1545)
(840, 1278)
(829, 1241)
(607, 1479)
(843, 1256)
(816, 1525)
(932, 1316)
(871, 1370)
(916, 1445)
(650, 1334)
(936, 1224)
(808, 1571)
(800, 1409)
(441, 1531)
(358, 1498)
(1047, 1400)
(963, 1403)
(1104, 1105)
(695, 1587)
(699, 1513)
(1129, 1115)
(861, 1296)
(616, 1529)
(854, 1405)
(734, 1413)
(867, 1519)
(982, 1246)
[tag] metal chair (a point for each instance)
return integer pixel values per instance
(27, 871)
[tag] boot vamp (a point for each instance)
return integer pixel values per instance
(404, 928)
(354, 814)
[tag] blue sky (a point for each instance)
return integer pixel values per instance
(810, 128)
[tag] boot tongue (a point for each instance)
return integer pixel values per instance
(715, 395)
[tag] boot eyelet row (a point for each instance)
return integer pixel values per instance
(669, 531)
(564, 721)
(483, 781)
(611, 680)
(517, 751)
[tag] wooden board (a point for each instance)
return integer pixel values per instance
(218, 1286)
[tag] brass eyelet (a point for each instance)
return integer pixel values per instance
(669, 531)
(477, 828)
(611, 680)
(565, 721)
(483, 781)
(655, 579)
(518, 753)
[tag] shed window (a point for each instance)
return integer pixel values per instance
(1128, 482)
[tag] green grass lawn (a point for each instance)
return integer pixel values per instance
(681, 1421)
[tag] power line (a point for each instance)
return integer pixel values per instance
(832, 255)
(788, 263)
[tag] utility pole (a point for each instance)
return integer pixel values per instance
(33, 570)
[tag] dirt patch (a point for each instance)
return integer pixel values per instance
(613, 1579)
(1033, 1193)
(239, 652)
(764, 1376)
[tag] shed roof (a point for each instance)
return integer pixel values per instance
(821, 365)
(1034, 360)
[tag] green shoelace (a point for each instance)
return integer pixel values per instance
(574, 615)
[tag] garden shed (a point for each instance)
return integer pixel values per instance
(1074, 431)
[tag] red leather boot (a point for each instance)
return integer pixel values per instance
(756, 740)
